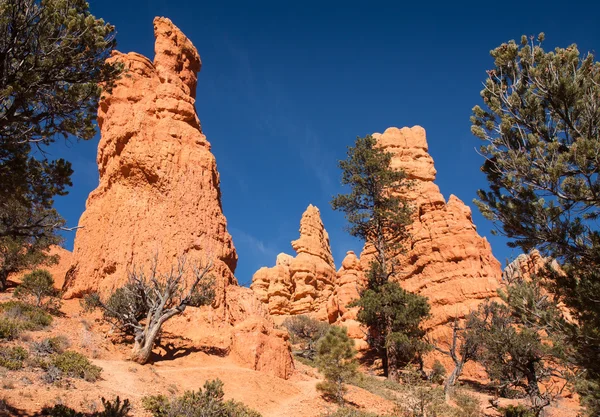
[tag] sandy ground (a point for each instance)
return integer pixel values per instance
(267, 394)
(172, 373)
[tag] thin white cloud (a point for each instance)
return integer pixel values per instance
(242, 238)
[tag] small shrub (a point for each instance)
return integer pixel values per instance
(60, 410)
(305, 332)
(75, 365)
(350, 412)
(27, 316)
(336, 360)
(38, 288)
(9, 329)
(206, 403)
(468, 404)
(50, 345)
(12, 357)
(115, 409)
(111, 409)
(516, 411)
(438, 373)
(52, 374)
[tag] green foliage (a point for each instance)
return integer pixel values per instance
(541, 124)
(438, 373)
(16, 316)
(336, 361)
(202, 403)
(12, 357)
(75, 365)
(148, 300)
(305, 332)
(39, 285)
(396, 315)
(53, 59)
(514, 353)
(9, 329)
(117, 408)
(48, 346)
(374, 207)
(516, 411)
(378, 213)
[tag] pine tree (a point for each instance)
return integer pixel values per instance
(336, 361)
(378, 214)
(52, 65)
(541, 125)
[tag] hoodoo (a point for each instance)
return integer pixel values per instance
(159, 192)
(301, 284)
(159, 196)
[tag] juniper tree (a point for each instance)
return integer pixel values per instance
(378, 213)
(39, 285)
(149, 299)
(463, 347)
(540, 120)
(52, 65)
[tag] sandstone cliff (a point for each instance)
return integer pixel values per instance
(159, 186)
(301, 284)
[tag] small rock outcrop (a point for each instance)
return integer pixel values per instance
(304, 283)
(446, 260)
(526, 266)
(159, 192)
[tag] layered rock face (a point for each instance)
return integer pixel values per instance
(159, 189)
(301, 284)
(159, 196)
(446, 260)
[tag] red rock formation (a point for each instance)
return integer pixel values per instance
(159, 196)
(159, 186)
(525, 266)
(350, 281)
(446, 260)
(300, 285)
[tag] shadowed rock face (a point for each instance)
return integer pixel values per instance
(301, 284)
(159, 187)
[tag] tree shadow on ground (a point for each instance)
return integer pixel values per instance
(7, 410)
(371, 360)
(175, 347)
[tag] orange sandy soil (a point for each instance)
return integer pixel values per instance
(173, 372)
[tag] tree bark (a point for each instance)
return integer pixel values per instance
(142, 348)
(3, 279)
(392, 360)
(451, 380)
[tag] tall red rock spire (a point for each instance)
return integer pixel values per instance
(159, 189)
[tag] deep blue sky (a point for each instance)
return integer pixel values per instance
(286, 86)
